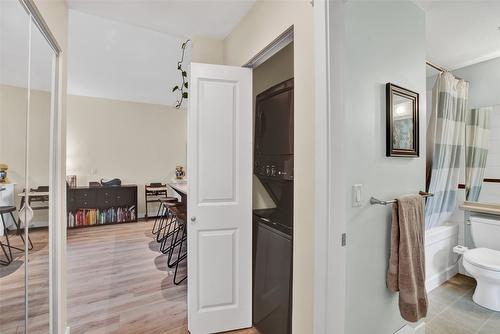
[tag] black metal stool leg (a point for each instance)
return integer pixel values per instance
(180, 258)
(170, 231)
(9, 259)
(163, 226)
(6, 233)
(164, 246)
(175, 242)
(157, 218)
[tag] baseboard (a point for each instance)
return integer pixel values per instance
(67, 330)
(438, 279)
(418, 328)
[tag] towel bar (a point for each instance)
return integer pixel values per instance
(374, 200)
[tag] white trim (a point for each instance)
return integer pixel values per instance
(32, 9)
(330, 256)
(273, 48)
(58, 183)
(57, 175)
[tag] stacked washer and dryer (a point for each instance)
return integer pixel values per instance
(273, 227)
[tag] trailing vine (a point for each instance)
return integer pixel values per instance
(184, 86)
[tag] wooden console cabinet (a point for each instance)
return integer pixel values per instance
(90, 206)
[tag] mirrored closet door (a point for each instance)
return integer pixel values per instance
(14, 76)
(27, 75)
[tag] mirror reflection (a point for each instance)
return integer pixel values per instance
(26, 80)
(14, 76)
(403, 122)
(482, 179)
(37, 185)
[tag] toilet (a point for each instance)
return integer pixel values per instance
(483, 262)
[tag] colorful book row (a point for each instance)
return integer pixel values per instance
(88, 217)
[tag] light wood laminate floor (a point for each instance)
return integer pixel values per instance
(12, 306)
(118, 282)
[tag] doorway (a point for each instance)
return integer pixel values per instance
(273, 188)
(124, 260)
(220, 186)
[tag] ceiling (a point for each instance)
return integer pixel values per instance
(461, 33)
(181, 18)
(114, 60)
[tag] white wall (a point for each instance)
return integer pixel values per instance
(13, 140)
(264, 23)
(120, 61)
(121, 122)
(136, 142)
(14, 30)
(207, 50)
(14, 77)
(484, 81)
(14, 41)
(385, 42)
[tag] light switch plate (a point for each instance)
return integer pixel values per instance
(357, 195)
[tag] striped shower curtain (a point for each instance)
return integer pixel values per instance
(477, 138)
(445, 137)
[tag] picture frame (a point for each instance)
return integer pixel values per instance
(402, 116)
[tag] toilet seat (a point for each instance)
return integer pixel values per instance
(484, 258)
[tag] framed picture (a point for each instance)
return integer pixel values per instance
(402, 122)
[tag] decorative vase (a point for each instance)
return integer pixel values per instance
(179, 172)
(3, 173)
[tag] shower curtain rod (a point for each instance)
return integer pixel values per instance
(439, 68)
(442, 69)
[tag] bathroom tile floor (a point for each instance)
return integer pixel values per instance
(452, 311)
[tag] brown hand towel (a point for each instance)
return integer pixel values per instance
(406, 272)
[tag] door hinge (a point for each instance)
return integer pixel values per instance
(344, 239)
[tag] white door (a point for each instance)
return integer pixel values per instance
(219, 199)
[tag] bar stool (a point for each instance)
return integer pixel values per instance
(171, 228)
(155, 192)
(10, 210)
(178, 241)
(162, 213)
(180, 257)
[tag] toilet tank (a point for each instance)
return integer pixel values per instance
(485, 232)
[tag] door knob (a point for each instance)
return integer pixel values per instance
(193, 219)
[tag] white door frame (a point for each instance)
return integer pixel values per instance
(57, 179)
(330, 226)
(330, 262)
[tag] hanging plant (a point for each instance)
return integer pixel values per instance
(182, 89)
